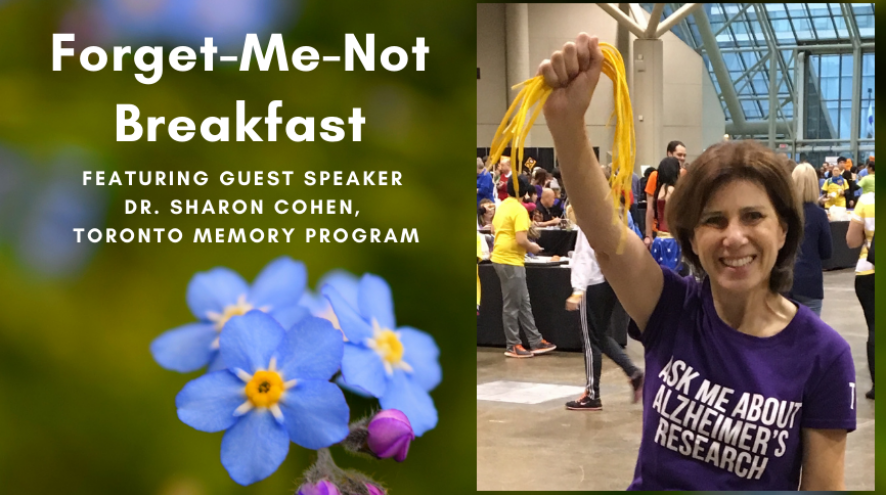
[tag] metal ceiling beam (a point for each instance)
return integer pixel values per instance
(769, 34)
(851, 26)
(847, 47)
(727, 88)
(758, 98)
(623, 19)
(855, 112)
(758, 127)
(676, 17)
(654, 20)
(800, 97)
(751, 70)
(683, 25)
(732, 19)
(638, 12)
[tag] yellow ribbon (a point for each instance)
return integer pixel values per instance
(514, 127)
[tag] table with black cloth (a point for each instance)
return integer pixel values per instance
(549, 286)
(557, 241)
(843, 256)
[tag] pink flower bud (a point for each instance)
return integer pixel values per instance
(374, 490)
(390, 434)
(323, 487)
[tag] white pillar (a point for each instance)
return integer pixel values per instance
(647, 101)
(517, 49)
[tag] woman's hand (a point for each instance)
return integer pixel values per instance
(573, 73)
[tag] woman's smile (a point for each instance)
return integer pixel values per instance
(737, 263)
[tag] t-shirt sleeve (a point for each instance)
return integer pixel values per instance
(674, 292)
(651, 183)
(860, 212)
(824, 187)
(522, 222)
(830, 399)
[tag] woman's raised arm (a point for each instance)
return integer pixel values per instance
(573, 73)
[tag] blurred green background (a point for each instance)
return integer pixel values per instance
(83, 407)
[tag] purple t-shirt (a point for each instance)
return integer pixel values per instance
(724, 410)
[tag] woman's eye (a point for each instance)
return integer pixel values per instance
(753, 216)
(715, 222)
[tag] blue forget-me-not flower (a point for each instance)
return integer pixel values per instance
(220, 294)
(399, 366)
(275, 389)
(346, 283)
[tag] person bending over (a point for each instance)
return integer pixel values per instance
(551, 213)
(744, 389)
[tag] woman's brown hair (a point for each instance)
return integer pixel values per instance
(721, 164)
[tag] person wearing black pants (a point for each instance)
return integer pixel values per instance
(593, 295)
(864, 289)
(861, 234)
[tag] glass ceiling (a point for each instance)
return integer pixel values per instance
(737, 27)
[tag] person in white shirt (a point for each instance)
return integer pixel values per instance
(596, 300)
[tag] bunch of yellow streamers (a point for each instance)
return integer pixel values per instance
(535, 92)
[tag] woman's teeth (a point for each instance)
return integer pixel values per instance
(737, 262)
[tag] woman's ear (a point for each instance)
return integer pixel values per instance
(782, 234)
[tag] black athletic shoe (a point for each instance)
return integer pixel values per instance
(585, 403)
(517, 351)
(637, 385)
(543, 347)
(870, 394)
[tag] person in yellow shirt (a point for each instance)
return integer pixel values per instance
(834, 190)
(861, 233)
(511, 224)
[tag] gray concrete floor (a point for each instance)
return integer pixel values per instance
(546, 447)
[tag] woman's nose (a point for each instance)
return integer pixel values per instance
(735, 234)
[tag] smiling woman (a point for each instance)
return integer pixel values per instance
(744, 389)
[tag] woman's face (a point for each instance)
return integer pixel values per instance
(490, 210)
(738, 237)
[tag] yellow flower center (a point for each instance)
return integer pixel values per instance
(388, 346)
(386, 343)
(265, 388)
(240, 308)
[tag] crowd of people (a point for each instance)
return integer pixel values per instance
(841, 185)
(725, 280)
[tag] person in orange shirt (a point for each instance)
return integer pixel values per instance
(677, 150)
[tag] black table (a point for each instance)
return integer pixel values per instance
(549, 286)
(843, 256)
(557, 241)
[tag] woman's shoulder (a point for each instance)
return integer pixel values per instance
(821, 339)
